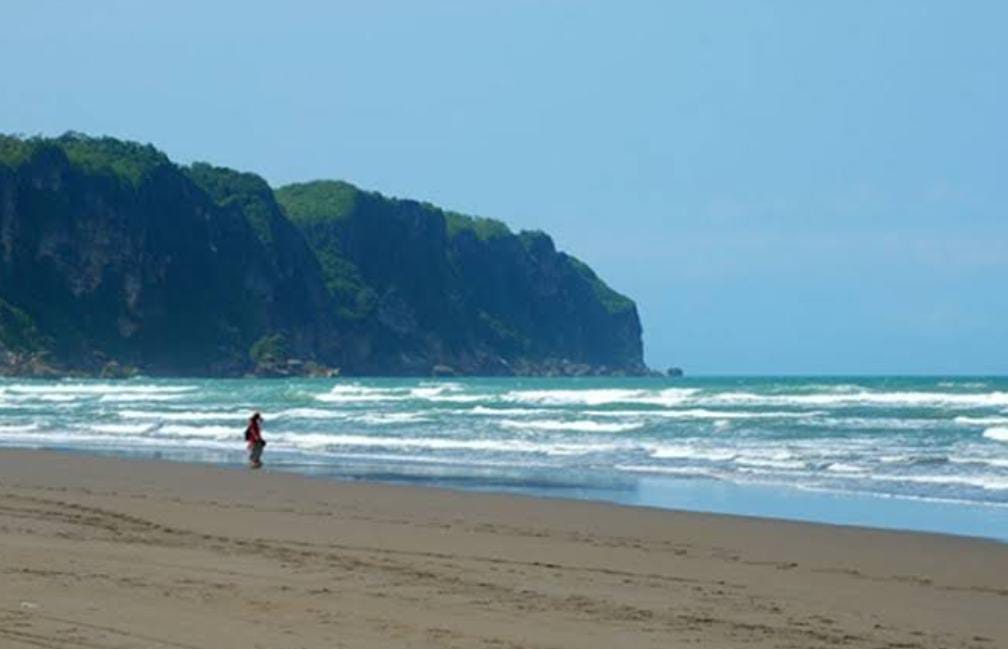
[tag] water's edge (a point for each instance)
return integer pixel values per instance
(916, 453)
(885, 524)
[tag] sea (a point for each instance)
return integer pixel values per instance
(926, 454)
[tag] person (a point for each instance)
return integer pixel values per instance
(256, 443)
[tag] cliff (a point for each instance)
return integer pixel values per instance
(426, 287)
(113, 257)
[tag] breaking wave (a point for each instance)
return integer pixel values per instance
(896, 437)
(998, 434)
(585, 426)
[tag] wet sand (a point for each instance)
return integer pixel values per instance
(112, 553)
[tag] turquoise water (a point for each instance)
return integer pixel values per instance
(915, 453)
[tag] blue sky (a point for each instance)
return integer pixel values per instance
(783, 187)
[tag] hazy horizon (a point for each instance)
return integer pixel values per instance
(784, 189)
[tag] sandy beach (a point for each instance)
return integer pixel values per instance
(103, 552)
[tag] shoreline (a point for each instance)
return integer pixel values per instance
(520, 495)
(117, 552)
(825, 451)
(607, 496)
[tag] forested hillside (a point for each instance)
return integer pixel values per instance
(114, 259)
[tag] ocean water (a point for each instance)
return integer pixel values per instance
(916, 453)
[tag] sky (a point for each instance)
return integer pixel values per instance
(782, 187)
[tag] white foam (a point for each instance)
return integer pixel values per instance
(123, 429)
(319, 440)
(840, 467)
(306, 413)
(140, 396)
(427, 392)
(18, 428)
(508, 412)
(997, 433)
(361, 394)
(585, 426)
(972, 459)
(384, 418)
(968, 385)
(703, 414)
(669, 397)
(680, 452)
(458, 398)
(572, 397)
(684, 471)
(835, 396)
(440, 391)
(112, 440)
(413, 458)
(95, 388)
(954, 442)
(207, 432)
(981, 421)
(598, 397)
(189, 415)
(40, 396)
(862, 398)
(436, 392)
(986, 482)
(880, 423)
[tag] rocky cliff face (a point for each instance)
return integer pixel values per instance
(142, 266)
(111, 256)
(450, 290)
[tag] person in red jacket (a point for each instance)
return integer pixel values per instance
(256, 443)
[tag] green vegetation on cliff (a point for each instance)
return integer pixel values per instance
(117, 159)
(467, 286)
(321, 200)
(111, 252)
(17, 331)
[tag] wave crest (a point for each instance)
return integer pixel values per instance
(997, 433)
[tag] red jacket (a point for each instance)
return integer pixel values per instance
(253, 433)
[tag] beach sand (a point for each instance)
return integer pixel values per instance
(104, 552)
